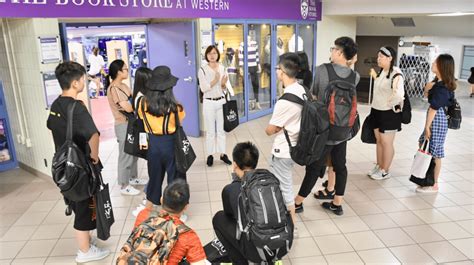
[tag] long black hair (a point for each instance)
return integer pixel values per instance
(142, 75)
(115, 67)
(393, 54)
(304, 73)
(160, 103)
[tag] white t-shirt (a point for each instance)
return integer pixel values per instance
(287, 115)
(96, 63)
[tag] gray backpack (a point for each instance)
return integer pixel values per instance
(263, 217)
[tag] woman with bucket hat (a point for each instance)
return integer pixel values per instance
(157, 111)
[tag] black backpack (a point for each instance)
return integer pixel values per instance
(71, 169)
(406, 110)
(262, 215)
(453, 113)
(341, 101)
(314, 130)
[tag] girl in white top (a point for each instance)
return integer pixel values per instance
(96, 68)
(386, 110)
(214, 83)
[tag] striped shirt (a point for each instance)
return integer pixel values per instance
(253, 58)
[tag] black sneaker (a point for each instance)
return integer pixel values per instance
(226, 159)
(299, 208)
(336, 209)
(210, 161)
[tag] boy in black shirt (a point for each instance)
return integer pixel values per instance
(71, 77)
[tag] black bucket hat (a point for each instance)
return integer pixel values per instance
(162, 79)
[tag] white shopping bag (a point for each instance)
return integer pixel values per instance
(422, 160)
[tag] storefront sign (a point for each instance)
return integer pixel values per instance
(52, 89)
(251, 9)
(50, 51)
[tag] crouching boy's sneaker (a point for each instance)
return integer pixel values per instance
(94, 253)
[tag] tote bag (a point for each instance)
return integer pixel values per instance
(422, 161)
(184, 153)
(104, 212)
(132, 138)
(231, 114)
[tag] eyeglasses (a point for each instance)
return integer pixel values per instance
(279, 68)
(124, 69)
(334, 48)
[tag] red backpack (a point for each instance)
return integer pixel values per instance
(341, 101)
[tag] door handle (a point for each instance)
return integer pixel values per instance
(188, 79)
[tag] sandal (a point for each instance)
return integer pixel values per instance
(324, 194)
(325, 184)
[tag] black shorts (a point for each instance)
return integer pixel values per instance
(84, 215)
(386, 120)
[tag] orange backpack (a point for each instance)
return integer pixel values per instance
(151, 241)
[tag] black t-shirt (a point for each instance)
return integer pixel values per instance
(83, 126)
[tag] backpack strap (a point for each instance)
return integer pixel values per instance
(70, 117)
(292, 98)
(393, 78)
(332, 75)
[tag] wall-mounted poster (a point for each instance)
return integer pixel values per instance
(50, 49)
(52, 90)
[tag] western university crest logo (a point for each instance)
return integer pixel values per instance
(304, 8)
(232, 116)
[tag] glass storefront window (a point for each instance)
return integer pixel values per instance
(259, 66)
(229, 39)
(306, 34)
(286, 42)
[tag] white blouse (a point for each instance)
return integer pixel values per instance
(386, 96)
(206, 74)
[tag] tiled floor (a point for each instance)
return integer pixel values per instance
(385, 222)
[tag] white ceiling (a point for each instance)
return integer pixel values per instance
(395, 7)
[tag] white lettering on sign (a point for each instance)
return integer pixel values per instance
(96, 3)
(78, 2)
(210, 4)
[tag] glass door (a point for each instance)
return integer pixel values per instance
(306, 37)
(259, 74)
(229, 39)
(286, 42)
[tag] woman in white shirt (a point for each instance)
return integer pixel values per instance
(213, 82)
(386, 110)
(96, 68)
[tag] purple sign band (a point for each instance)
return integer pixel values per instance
(305, 10)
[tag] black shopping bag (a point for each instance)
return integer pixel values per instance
(429, 178)
(104, 212)
(367, 135)
(132, 138)
(184, 152)
(231, 115)
(215, 252)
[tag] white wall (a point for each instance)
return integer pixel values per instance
(451, 45)
(329, 29)
(424, 25)
(32, 114)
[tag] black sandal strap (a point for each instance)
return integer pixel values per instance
(320, 195)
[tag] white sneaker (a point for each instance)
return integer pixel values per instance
(380, 175)
(257, 105)
(183, 218)
(94, 253)
(373, 170)
(129, 190)
(138, 210)
(427, 189)
(137, 181)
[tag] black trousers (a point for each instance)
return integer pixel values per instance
(240, 251)
(254, 80)
(314, 171)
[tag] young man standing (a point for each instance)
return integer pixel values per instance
(343, 54)
(286, 116)
(71, 77)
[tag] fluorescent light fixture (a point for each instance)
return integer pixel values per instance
(455, 14)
